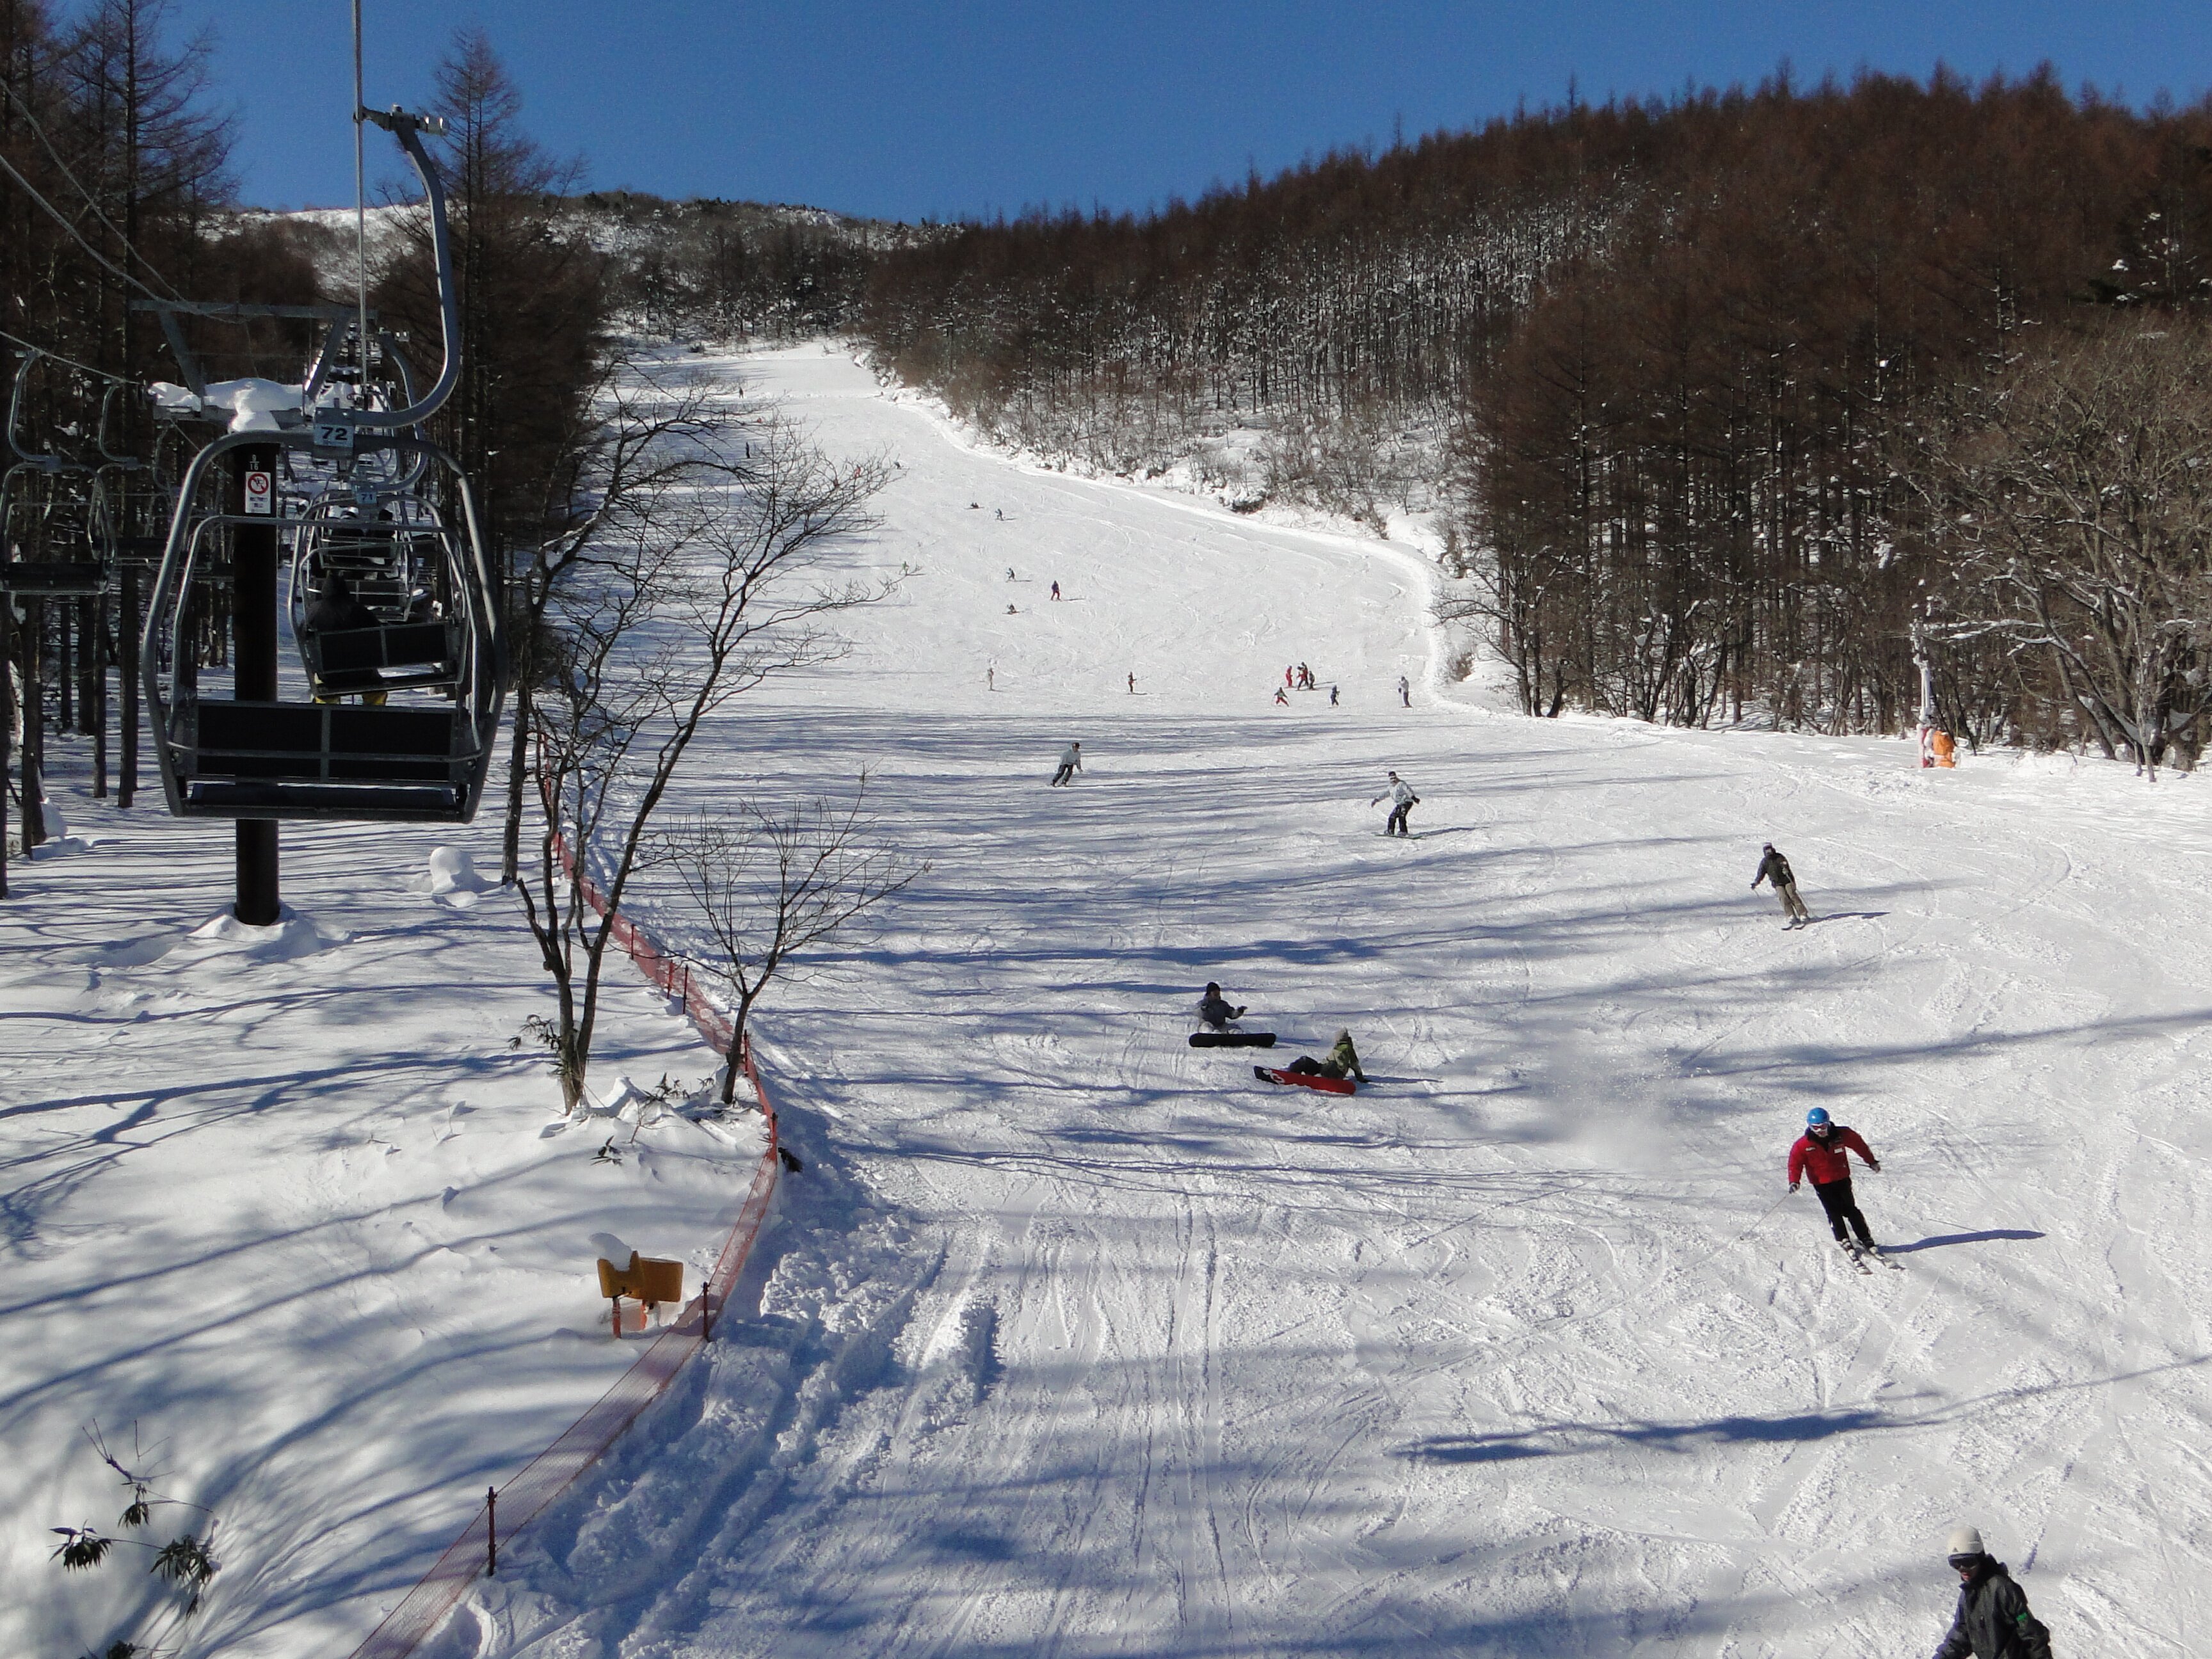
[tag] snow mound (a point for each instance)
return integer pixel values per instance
(293, 936)
(452, 876)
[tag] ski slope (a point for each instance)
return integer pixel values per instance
(1071, 1339)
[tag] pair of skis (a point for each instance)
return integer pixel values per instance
(1858, 1254)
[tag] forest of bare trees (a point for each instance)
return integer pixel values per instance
(1693, 390)
(1669, 374)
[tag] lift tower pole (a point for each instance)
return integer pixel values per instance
(253, 668)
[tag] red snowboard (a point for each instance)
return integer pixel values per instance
(1329, 1085)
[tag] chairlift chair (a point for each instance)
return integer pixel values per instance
(47, 549)
(422, 750)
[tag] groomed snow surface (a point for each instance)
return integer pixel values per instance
(1073, 1340)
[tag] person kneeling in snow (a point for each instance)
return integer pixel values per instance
(1213, 1010)
(1341, 1058)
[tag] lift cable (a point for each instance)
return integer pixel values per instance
(49, 352)
(91, 200)
(63, 220)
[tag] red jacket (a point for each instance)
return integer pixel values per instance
(1824, 1162)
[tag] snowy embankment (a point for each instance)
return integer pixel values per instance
(1073, 1339)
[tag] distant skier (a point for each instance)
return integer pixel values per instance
(1009, 569)
(1214, 1012)
(1820, 1152)
(1056, 590)
(1306, 678)
(1775, 868)
(1341, 1058)
(991, 677)
(1332, 696)
(1000, 513)
(1993, 1621)
(1402, 801)
(1071, 763)
(1290, 676)
(1133, 685)
(1405, 692)
(1282, 697)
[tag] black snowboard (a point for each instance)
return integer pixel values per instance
(1232, 1039)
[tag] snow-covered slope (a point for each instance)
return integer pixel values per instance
(1074, 1339)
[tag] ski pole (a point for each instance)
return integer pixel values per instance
(1755, 1225)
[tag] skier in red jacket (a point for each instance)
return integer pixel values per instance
(1820, 1152)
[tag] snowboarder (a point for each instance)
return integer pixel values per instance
(1405, 692)
(1821, 1153)
(1056, 590)
(1992, 1621)
(1214, 1012)
(1071, 763)
(1402, 801)
(1775, 868)
(1342, 1057)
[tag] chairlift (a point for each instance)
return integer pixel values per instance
(47, 543)
(426, 652)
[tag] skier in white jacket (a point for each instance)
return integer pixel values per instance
(1071, 763)
(1402, 801)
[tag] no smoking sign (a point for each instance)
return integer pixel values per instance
(260, 494)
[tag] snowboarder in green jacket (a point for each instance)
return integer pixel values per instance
(1342, 1057)
(1993, 1621)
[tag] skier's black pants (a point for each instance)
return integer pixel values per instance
(1836, 1199)
(1396, 826)
(1066, 775)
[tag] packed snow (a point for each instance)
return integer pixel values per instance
(1073, 1339)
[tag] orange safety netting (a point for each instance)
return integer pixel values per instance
(530, 1493)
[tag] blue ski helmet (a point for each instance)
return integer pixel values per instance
(1817, 1118)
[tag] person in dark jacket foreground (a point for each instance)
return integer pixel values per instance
(335, 609)
(1822, 1152)
(1341, 1058)
(1775, 868)
(1213, 1010)
(1993, 1621)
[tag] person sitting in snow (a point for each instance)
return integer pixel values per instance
(1342, 1057)
(1214, 1012)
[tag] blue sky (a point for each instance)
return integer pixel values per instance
(944, 108)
